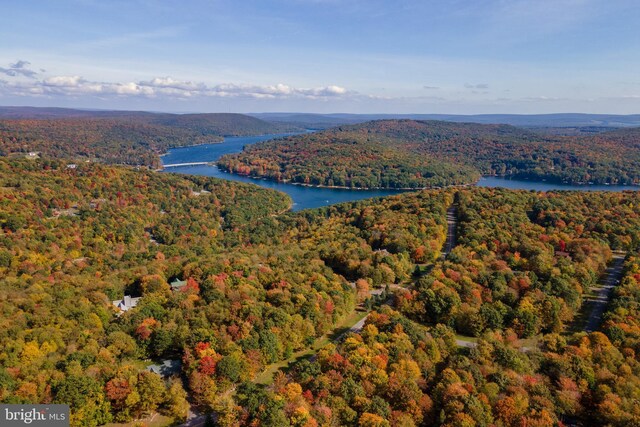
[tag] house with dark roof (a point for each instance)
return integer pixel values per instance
(166, 368)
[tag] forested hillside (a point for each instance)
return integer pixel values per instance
(524, 260)
(221, 124)
(415, 154)
(116, 138)
(516, 279)
(74, 240)
(259, 285)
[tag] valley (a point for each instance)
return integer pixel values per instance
(381, 309)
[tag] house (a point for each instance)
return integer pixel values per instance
(199, 193)
(376, 292)
(166, 368)
(126, 303)
(97, 202)
(177, 284)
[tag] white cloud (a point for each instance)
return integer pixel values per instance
(167, 87)
(127, 89)
(64, 81)
(326, 91)
(279, 91)
(170, 83)
(75, 86)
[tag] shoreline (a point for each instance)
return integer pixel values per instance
(190, 145)
(336, 187)
(557, 182)
(506, 177)
(632, 187)
(275, 136)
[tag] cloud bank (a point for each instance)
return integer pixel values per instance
(27, 82)
(21, 85)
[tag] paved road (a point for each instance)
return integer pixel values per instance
(452, 225)
(598, 304)
(357, 327)
(194, 419)
(195, 422)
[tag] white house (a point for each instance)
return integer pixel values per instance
(126, 303)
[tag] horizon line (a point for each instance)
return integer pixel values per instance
(89, 109)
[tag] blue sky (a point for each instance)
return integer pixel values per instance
(373, 56)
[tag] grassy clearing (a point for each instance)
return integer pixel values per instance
(465, 338)
(266, 376)
(154, 420)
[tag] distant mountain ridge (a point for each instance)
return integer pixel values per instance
(9, 112)
(334, 119)
(521, 120)
(221, 124)
(125, 137)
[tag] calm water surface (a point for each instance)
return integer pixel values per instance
(303, 197)
(313, 197)
(521, 184)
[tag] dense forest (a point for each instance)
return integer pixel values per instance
(516, 279)
(417, 154)
(524, 260)
(258, 288)
(260, 283)
(74, 240)
(135, 139)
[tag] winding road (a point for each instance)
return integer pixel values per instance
(357, 327)
(594, 305)
(195, 421)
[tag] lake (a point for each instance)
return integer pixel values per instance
(522, 184)
(303, 197)
(313, 197)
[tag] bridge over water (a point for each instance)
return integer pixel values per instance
(177, 165)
